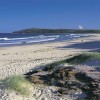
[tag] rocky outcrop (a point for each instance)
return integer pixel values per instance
(70, 80)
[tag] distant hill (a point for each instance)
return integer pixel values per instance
(37, 30)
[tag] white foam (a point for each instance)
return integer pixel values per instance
(56, 36)
(22, 42)
(4, 38)
(41, 40)
(40, 36)
(18, 38)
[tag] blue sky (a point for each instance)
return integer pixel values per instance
(22, 14)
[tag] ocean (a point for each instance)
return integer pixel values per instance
(11, 39)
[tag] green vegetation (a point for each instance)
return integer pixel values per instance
(18, 84)
(77, 59)
(54, 64)
(83, 57)
(37, 30)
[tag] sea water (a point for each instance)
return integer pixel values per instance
(11, 39)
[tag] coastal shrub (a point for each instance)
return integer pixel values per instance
(95, 55)
(19, 84)
(53, 65)
(78, 59)
(83, 57)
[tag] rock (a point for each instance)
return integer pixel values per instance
(57, 82)
(36, 80)
(71, 74)
(48, 68)
(70, 80)
(60, 83)
(39, 70)
(56, 75)
(63, 91)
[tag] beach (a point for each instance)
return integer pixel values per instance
(17, 60)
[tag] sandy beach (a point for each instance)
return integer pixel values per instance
(18, 60)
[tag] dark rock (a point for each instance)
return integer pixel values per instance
(60, 83)
(39, 70)
(56, 75)
(69, 80)
(70, 68)
(47, 68)
(71, 75)
(63, 91)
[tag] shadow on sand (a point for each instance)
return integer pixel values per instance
(93, 45)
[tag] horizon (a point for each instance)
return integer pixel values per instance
(59, 14)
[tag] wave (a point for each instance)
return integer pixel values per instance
(16, 38)
(33, 37)
(41, 40)
(4, 38)
(72, 34)
(26, 42)
(56, 36)
(78, 35)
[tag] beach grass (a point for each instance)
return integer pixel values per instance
(80, 58)
(76, 59)
(18, 84)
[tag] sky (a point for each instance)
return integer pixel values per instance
(67, 14)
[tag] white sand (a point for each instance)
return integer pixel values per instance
(20, 59)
